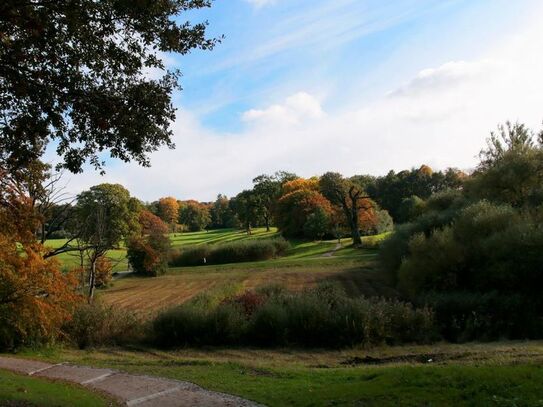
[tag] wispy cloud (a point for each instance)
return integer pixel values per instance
(321, 26)
(260, 3)
(440, 117)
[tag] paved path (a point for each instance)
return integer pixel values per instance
(331, 253)
(132, 390)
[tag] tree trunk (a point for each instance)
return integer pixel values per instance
(355, 230)
(267, 220)
(82, 268)
(92, 280)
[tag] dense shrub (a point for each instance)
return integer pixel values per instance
(234, 252)
(440, 211)
(148, 255)
(465, 316)
(488, 247)
(98, 324)
(482, 265)
(319, 317)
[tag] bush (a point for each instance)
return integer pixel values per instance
(148, 255)
(482, 268)
(103, 272)
(319, 317)
(98, 324)
(466, 316)
(193, 325)
(235, 252)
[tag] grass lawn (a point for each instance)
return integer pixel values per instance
(495, 374)
(299, 248)
(71, 259)
(219, 236)
(20, 390)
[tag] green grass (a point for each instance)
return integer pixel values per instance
(300, 249)
(32, 391)
(71, 259)
(495, 374)
(219, 236)
(302, 267)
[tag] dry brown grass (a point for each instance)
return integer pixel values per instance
(149, 295)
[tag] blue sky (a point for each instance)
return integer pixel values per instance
(348, 50)
(355, 86)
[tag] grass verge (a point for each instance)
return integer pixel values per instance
(17, 390)
(496, 374)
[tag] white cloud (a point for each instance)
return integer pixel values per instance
(441, 117)
(297, 108)
(260, 3)
(445, 76)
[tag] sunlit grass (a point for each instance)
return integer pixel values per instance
(19, 390)
(493, 374)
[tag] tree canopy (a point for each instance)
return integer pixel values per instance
(89, 76)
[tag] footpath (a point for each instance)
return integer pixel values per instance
(129, 389)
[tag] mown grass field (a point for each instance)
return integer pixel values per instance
(306, 264)
(72, 259)
(299, 248)
(494, 374)
(18, 390)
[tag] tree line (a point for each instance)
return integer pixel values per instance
(329, 205)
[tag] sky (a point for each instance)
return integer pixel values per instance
(353, 86)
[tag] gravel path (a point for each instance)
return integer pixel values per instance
(132, 390)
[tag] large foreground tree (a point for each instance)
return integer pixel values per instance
(89, 75)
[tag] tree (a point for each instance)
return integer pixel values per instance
(168, 211)
(317, 224)
(41, 188)
(311, 184)
(511, 169)
(106, 214)
(410, 208)
(148, 252)
(222, 215)
(35, 297)
(194, 215)
(151, 223)
(390, 191)
(348, 196)
(247, 209)
(510, 139)
(267, 190)
(295, 208)
(77, 72)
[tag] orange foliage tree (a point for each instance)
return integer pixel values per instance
(168, 210)
(150, 223)
(311, 184)
(368, 216)
(148, 252)
(36, 298)
(294, 208)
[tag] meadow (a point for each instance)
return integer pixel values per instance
(473, 374)
(493, 374)
(305, 265)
